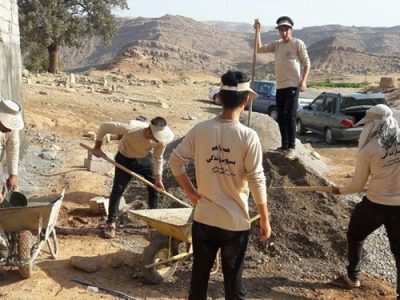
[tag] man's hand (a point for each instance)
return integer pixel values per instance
(12, 182)
(158, 183)
(257, 25)
(302, 86)
(98, 152)
(265, 229)
(194, 197)
(1, 198)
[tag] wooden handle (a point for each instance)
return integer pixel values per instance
(304, 189)
(144, 180)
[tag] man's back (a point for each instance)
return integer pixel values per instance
(227, 155)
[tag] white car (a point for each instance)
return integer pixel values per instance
(213, 95)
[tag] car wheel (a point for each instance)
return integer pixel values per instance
(329, 138)
(216, 99)
(300, 127)
(273, 113)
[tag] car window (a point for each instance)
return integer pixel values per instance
(317, 103)
(328, 105)
(350, 103)
(263, 88)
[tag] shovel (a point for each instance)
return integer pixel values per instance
(137, 176)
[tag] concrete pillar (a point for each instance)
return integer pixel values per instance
(10, 53)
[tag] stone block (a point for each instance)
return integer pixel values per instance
(99, 205)
(99, 166)
(387, 82)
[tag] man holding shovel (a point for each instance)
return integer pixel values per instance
(140, 150)
(10, 123)
(379, 159)
(228, 162)
(289, 53)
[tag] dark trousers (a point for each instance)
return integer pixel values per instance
(287, 104)
(141, 166)
(366, 218)
(206, 242)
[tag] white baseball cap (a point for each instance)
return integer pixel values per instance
(11, 115)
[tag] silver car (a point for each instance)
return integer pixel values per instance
(334, 115)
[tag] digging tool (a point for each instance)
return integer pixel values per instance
(110, 291)
(253, 73)
(142, 179)
(304, 189)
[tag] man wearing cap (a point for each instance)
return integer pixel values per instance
(138, 140)
(228, 162)
(289, 52)
(10, 123)
(379, 158)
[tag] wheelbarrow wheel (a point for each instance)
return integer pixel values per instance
(24, 244)
(52, 243)
(156, 251)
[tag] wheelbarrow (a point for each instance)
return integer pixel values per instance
(18, 247)
(161, 256)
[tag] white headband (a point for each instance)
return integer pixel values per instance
(241, 87)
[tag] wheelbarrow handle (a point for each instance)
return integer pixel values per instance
(137, 176)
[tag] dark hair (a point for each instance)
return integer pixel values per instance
(233, 99)
(285, 18)
(159, 121)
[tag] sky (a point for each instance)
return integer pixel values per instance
(383, 13)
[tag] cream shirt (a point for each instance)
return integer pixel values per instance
(288, 57)
(133, 143)
(383, 165)
(228, 162)
(9, 145)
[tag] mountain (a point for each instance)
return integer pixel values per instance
(176, 44)
(236, 26)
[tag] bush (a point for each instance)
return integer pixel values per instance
(330, 84)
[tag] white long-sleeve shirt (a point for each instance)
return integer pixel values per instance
(384, 168)
(9, 144)
(133, 143)
(228, 162)
(288, 57)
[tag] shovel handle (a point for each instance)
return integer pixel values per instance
(144, 180)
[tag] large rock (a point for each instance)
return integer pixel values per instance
(87, 264)
(266, 128)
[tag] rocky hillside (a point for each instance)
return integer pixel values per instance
(336, 54)
(169, 42)
(236, 26)
(178, 44)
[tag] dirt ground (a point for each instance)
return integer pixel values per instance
(67, 113)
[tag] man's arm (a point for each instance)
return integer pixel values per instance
(158, 160)
(305, 60)
(105, 128)
(12, 152)
(256, 178)
(259, 45)
(360, 176)
(180, 157)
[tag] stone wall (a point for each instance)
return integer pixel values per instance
(10, 54)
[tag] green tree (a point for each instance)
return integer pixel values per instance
(56, 23)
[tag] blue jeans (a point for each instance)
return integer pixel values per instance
(141, 166)
(365, 219)
(287, 104)
(206, 242)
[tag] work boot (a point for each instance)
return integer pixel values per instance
(291, 154)
(109, 230)
(351, 283)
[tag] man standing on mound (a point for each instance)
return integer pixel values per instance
(289, 53)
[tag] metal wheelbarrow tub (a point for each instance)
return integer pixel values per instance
(172, 222)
